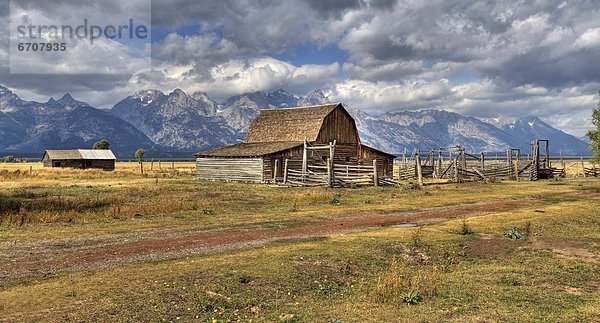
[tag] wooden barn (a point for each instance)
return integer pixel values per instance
(80, 158)
(277, 135)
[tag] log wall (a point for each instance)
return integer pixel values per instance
(230, 169)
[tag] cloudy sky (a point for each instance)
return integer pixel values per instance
(478, 58)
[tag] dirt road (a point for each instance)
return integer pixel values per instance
(54, 256)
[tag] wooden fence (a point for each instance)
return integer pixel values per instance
(468, 167)
(591, 172)
(460, 167)
(335, 175)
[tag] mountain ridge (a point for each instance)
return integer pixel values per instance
(178, 122)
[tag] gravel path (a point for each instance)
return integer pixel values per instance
(53, 256)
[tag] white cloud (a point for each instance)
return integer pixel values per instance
(589, 39)
(537, 58)
(385, 96)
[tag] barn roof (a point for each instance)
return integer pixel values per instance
(251, 149)
(95, 154)
(289, 125)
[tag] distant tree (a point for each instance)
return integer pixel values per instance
(102, 145)
(9, 159)
(594, 134)
(139, 155)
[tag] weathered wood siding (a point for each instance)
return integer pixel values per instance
(385, 162)
(107, 165)
(339, 126)
(46, 161)
(230, 169)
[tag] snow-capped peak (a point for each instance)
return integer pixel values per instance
(146, 97)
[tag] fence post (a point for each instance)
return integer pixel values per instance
(304, 160)
(173, 164)
(419, 169)
(561, 158)
(440, 162)
(375, 175)
(331, 165)
(548, 164)
(285, 170)
(482, 161)
(456, 170)
(152, 164)
(582, 167)
(516, 168)
(329, 172)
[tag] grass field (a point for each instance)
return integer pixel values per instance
(95, 246)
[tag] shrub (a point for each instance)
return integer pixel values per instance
(245, 279)
(415, 238)
(513, 234)
(465, 229)
(335, 200)
(9, 159)
(527, 230)
(207, 212)
(411, 298)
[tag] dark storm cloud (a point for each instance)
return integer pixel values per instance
(334, 8)
(181, 12)
(49, 85)
(56, 8)
(536, 68)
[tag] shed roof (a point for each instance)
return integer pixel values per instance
(289, 125)
(251, 149)
(95, 154)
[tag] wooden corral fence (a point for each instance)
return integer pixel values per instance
(593, 171)
(456, 166)
(333, 175)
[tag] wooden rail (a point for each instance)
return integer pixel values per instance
(335, 175)
(591, 172)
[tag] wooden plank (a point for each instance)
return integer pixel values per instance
(285, 170)
(419, 169)
(230, 169)
(479, 173)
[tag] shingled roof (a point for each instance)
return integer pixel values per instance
(276, 130)
(250, 149)
(288, 125)
(95, 154)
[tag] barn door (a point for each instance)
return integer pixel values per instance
(277, 168)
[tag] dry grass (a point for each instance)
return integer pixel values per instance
(351, 277)
(552, 276)
(401, 279)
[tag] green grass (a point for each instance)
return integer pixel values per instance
(551, 276)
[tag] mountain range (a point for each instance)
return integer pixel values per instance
(178, 124)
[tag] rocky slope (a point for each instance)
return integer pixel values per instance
(179, 122)
(32, 127)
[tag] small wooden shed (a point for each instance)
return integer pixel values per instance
(80, 158)
(280, 134)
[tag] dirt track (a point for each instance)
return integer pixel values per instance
(53, 256)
